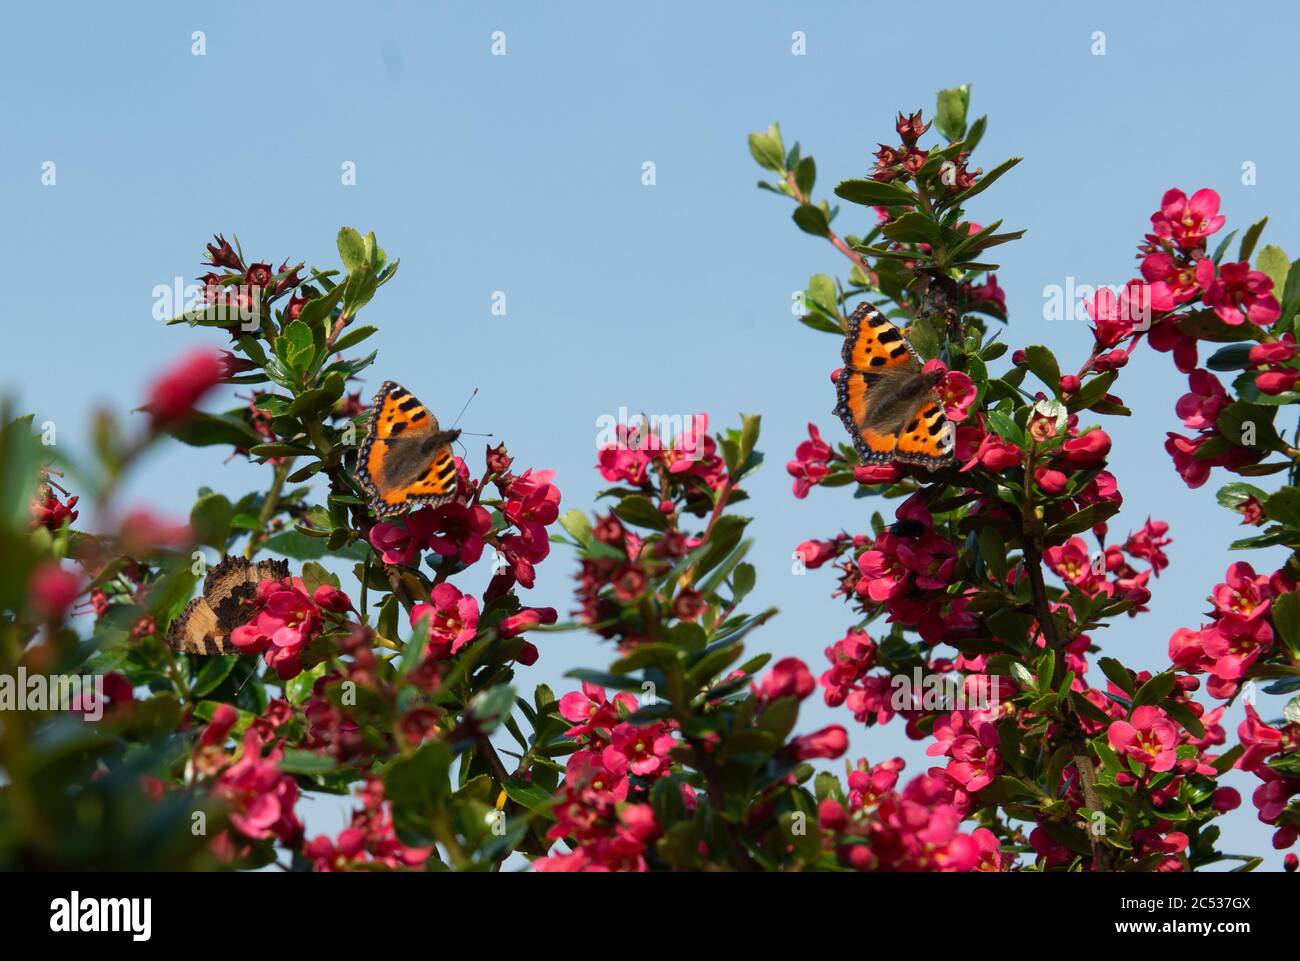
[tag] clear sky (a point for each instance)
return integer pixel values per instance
(522, 173)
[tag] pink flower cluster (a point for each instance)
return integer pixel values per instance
(259, 798)
(1178, 274)
(691, 456)
(286, 620)
(908, 569)
(880, 829)
(602, 811)
(1239, 633)
(460, 530)
(369, 842)
(1108, 572)
(1273, 796)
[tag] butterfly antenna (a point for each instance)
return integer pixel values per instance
(465, 408)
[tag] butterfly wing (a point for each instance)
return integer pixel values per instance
(229, 590)
(884, 400)
(406, 458)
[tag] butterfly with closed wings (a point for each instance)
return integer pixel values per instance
(887, 400)
(406, 458)
(229, 592)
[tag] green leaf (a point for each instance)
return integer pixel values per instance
(527, 794)
(912, 227)
(214, 671)
(767, 150)
(1154, 690)
(1249, 240)
(1283, 506)
(987, 180)
(352, 249)
(1233, 496)
(214, 430)
(811, 220)
(1118, 675)
(1274, 262)
(639, 511)
(296, 347)
(821, 293)
(1232, 357)
(1285, 610)
(873, 193)
(951, 115)
(1043, 363)
(1206, 325)
(805, 176)
(210, 520)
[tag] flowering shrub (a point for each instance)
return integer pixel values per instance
(971, 613)
(995, 573)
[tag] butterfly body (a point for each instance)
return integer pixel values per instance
(887, 400)
(229, 590)
(406, 458)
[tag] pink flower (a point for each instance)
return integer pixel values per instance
(533, 503)
(994, 454)
(173, 395)
(1148, 737)
(1274, 382)
(50, 513)
(1148, 544)
(526, 620)
(453, 618)
(259, 797)
(988, 292)
(1238, 294)
(330, 598)
(619, 462)
(1072, 562)
(1087, 450)
(809, 465)
(1165, 336)
(877, 473)
(789, 677)
(402, 543)
(816, 553)
(1244, 595)
(1051, 481)
(462, 528)
(829, 742)
(52, 590)
(974, 762)
(1116, 318)
(1200, 408)
(1172, 282)
(1259, 739)
(1188, 222)
(589, 711)
(956, 390)
(641, 750)
(1193, 470)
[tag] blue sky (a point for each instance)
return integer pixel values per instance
(522, 174)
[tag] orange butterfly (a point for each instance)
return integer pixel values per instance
(406, 458)
(886, 400)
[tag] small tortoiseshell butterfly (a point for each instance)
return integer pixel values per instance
(406, 458)
(226, 602)
(886, 400)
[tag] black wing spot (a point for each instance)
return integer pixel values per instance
(889, 336)
(409, 404)
(398, 428)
